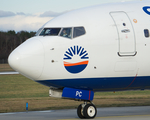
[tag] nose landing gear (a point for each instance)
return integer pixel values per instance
(86, 111)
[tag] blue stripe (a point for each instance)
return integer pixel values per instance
(101, 84)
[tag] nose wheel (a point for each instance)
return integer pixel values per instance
(85, 110)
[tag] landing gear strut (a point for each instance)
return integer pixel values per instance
(86, 111)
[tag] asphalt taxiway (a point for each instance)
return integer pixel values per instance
(110, 113)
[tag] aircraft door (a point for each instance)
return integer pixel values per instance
(126, 35)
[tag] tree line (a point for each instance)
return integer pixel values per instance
(10, 40)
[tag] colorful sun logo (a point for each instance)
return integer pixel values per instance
(76, 59)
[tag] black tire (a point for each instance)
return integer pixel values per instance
(80, 112)
(89, 111)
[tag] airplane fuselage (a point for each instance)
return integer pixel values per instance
(99, 48)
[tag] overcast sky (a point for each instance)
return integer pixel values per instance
(30, 15)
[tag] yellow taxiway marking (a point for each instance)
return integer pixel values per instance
(110, 117)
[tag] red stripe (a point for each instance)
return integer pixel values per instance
(89, 94)
(131, 82)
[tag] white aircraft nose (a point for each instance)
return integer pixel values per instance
(28, 58)
(14, 60)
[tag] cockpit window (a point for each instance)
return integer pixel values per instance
(78, 31)
(66, 32)
(37, 33)
(50, 31)
(70, 32)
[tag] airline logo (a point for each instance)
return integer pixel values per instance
(147, 9)
(76, 59)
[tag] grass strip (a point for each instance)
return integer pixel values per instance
(16, 90)
(5, 68)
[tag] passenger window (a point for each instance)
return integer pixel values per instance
(50, 31)
(146, 32)
(66, 32)
(78, 31)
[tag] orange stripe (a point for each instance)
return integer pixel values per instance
(73, 64)
(66, 62)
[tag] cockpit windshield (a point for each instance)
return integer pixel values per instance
(70, 32)
(37, 33)
(50, 32)
(66, 32)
